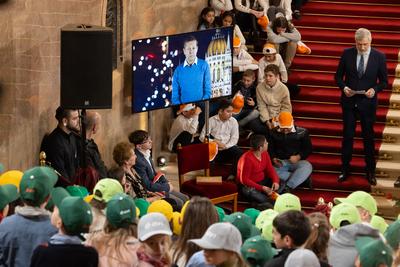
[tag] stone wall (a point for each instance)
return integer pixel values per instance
(30, 66)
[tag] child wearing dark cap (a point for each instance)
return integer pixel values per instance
(72, 216)
(290, 230)
(8, 194)
(117, 244)
(30, 225)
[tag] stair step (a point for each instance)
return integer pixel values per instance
(316, 93)
(335, 49)
(342, 22)
(329, 181)
(312, 62)
(349, 9)
(334, 128)
(345, 36)
(309, 198)
(384, 187)
(334, 145)
(369, 3)
(390, 151)
(386, 207)
(387, 169)
(333, 111)
(392, 134)
(320, 78)
(328, 162)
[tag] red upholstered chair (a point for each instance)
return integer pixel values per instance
(196, 157)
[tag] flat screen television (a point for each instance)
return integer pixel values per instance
(182, 68)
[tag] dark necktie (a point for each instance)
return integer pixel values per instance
(360, 69)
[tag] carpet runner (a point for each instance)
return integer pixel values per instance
(328, 27)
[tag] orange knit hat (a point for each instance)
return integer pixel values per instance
(263, 22)
(237, 103)
(236, 42)
(285, 119)
(212, 150)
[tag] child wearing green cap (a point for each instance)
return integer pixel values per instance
(290, 230)
(8, 194)
(30, 225)
(72, 216)
(373, 253)
(117, 243)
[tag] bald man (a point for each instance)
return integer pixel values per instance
(93, 157)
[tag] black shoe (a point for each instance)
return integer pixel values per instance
(342, 177)
(371, 178)
(397, 183)
(297, 14)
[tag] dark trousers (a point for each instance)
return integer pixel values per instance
(366, 113)
(246, 21)
(297, 4)
(258, 127)
(230, 155)
(254, 195)
(184, 138)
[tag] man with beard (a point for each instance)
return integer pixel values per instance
(61, 145)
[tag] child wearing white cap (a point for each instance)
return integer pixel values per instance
(271, 57)
(154, 233)
(221, 246)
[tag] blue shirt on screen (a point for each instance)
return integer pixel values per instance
(191, 83)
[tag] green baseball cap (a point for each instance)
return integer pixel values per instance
(392, 234)
(106, 188)
(36, 184)
(143, 206)
(344, 212)
(252, 213)
(77, 191)
(360, 199)
(379, 223)
(373, 252)
(8, 193)
(121, 211)
(265, 223)
(265, 215)
(76, 215)
(243, 223)
(221, 213)
(287, 202)
(257, 251)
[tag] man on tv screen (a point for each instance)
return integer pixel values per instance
(191, 81)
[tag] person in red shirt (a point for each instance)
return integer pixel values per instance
(255, 173)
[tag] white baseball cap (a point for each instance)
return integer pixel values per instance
(220, 236)
(152, 224)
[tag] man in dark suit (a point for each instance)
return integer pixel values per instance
(361, 75)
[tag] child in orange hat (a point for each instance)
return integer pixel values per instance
(242, 60)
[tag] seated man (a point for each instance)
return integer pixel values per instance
(93, 157)
(256, 173)
(144, 166)
(62, 145)
(289, 148)
(224, 130)
(184, 126)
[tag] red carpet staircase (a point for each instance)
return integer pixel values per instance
(327, 27)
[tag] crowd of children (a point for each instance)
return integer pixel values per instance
(52, 226)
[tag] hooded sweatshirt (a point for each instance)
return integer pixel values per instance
(341, 249)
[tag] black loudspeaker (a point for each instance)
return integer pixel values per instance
(86, 67)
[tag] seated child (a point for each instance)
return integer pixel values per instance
(247, 88)
(221, 247)
(206, 19)
(117, 244)
(271, 57)
(184, 126)
(72, 216)
(290, 230)
(242, 60)
(8, 194)
(154, 233)
(30, 225)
